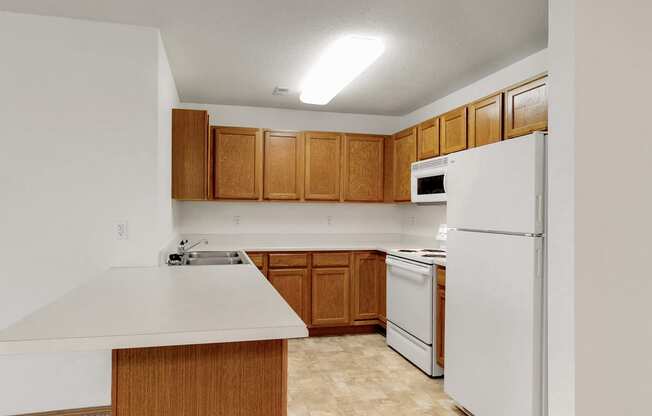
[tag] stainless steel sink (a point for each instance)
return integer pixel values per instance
(212, 254)
(207, 258)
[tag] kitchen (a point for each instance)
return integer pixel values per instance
(381, 234)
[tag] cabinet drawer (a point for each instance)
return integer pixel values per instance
(288, 260)
(258, 259)
(441, 276)
(330, 259)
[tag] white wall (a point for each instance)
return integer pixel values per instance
(168, 98)
(79, 128)
(528, 67)
(283, 119)
(287, 218)
(422, 220)
(613, 153)
(561, 209)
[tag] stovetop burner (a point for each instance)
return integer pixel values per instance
(434, 255)
(407, 251)
(433, 250)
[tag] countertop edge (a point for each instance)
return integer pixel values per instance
(103, 343)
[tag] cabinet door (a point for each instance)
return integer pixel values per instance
(526, 108)
(486, 121)
(238, 162)
(382, 287)
(363, 168)
(404, 154)
(283, 166)
(322, 166)
(330, 296)
(453, 131)
(365, 286)
(190, 157)
(441, 324)
(441, 315)
(260, 260)
(428, 139)
(292, 285)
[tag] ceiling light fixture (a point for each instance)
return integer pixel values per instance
(340, 64)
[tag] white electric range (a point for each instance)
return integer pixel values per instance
(411, 305)
(422, 255)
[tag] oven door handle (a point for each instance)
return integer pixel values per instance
(408, 266)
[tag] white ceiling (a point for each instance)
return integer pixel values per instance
(236, 51)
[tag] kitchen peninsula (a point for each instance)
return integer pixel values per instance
(208, 340)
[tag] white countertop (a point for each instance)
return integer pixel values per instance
(157, 306)
(307, 242)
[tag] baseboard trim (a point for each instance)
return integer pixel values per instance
(86, 411)
(342, 330)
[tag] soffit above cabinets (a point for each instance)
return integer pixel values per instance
(236, 52)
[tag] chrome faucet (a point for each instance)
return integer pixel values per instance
(183, 246)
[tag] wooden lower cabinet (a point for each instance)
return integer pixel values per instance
(330, 296)
(237, 378)
(382, 288)
(260, 260)
(342, 290)
(365, 286)
(441, 314)
(292, 285)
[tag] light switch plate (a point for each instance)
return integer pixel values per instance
(122, 230)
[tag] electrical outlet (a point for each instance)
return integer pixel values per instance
(329, 220)
(122, 230)
(412, 220)
(236, 220)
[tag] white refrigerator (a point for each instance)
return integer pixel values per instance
(495, 278)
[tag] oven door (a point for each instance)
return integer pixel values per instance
(428, 186)
(409, 297)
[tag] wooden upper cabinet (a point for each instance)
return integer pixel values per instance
(526, 108)
(283, 165)
(365, 286)
(428, 139)
(330, 296)
(322, 166)
(292, 285)
(388, 180)
(190, 158)
(363, 168)
(238, 162)
(404, 154)
(453, 131)
(486, 121)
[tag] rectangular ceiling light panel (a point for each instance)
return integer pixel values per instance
(342, 62)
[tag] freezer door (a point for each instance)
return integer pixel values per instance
(498, 187)
(494, 323)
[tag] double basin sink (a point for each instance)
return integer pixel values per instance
(207, 258)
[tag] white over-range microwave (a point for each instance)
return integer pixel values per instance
(429, 181)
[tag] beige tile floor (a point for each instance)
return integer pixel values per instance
(358, 375)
